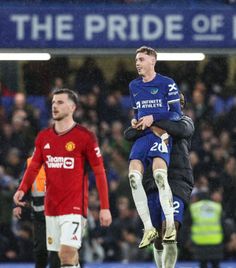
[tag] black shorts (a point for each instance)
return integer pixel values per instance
(39, 235)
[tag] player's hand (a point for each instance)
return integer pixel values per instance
(17, 212)
(145, 122)
(18, 197)
(105, 217)
(134, 123)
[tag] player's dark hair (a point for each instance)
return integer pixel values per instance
(147, 50)
(70, 93)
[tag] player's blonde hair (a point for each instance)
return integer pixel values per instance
(147, 50)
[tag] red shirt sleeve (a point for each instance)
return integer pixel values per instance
(96, 162)
(33, 168)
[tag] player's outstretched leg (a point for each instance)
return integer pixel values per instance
(141, 203)
(166, 200)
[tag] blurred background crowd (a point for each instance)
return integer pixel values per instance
(105, 109)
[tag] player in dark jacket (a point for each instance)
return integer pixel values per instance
(180, 178)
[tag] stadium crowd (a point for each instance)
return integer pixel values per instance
(104, 110)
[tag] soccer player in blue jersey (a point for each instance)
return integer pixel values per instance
(153, 97)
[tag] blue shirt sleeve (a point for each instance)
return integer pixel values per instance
(172, 92)
(133, 104)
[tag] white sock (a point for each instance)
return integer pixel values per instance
(165, 194)
(170, 253)
(157, 257)
(140, 198)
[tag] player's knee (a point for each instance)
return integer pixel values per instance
(135, 179)
(136, 164)
(160, 177)
(68, 255)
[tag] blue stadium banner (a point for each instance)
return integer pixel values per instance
(116, 27)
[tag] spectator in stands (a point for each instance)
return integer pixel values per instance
(88, 75)
(22, 134)
(5, 91)
(121, 78)
(20, 103)
(57, 84)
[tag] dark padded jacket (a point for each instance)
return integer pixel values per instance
(180, 175)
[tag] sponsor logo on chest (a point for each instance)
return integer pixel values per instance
(60, 162)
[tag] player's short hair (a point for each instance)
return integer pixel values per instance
(147, 50)
(70, 93)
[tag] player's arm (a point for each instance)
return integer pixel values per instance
(29, 175)
(148, 120)
(173, 98)
(183, 128)
(96, 162)
(134, 120)
(27, 196)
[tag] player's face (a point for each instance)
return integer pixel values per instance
(144, 64)
(62, 107)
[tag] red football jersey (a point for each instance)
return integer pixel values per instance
(64, 157)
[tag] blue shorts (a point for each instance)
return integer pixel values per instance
(148, 147)
(156, 212)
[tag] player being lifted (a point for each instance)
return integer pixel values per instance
(153, 97)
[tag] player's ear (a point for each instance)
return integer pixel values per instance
(73, 107)
(153, 61)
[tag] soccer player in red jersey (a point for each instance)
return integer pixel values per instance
(64, 150)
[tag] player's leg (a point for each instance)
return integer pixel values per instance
(136, 169)
(72, 228)
(54, 261)
(158, 250)
(64, 235)
(140, 200)
(170, 250)
(156, 217)
(68, 256)
(166, 198)
(40, 249)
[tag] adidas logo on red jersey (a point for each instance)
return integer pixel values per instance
(47, 146)
(74, 237)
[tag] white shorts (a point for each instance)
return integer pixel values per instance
(64, 230)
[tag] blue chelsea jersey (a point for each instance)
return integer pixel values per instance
(153, 97)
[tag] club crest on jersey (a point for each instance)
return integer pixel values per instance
(70, 146)
(154, 91)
